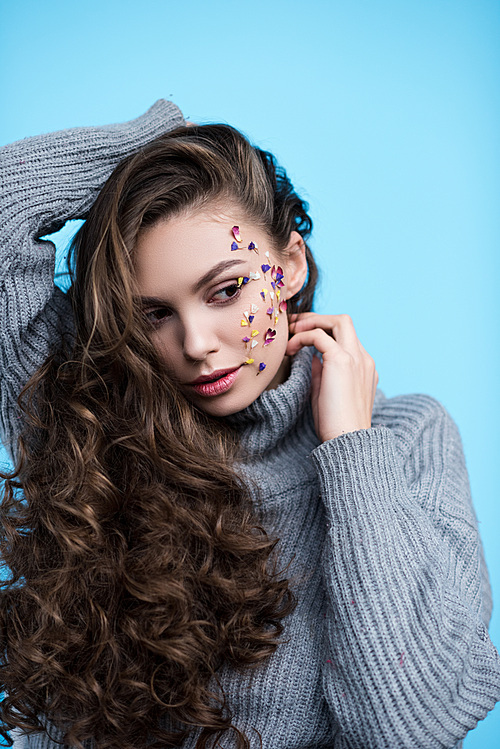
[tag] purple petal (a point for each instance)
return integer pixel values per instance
(234, 247)
(269, 336)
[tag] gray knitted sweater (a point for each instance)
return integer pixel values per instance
(388, 646)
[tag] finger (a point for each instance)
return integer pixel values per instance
(316, 337)
(317, 370)
(340, 327)
(295, 315)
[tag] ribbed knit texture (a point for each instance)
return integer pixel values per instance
(388, 646)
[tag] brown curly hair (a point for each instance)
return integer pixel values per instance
(137, 564)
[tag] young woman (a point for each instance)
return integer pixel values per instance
(218, 531)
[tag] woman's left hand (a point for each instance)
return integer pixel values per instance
(344, 384)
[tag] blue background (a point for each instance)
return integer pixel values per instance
(386, 115)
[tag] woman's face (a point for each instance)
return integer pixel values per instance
(215, 310)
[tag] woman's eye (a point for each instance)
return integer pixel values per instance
(157, 316)
(227, 292)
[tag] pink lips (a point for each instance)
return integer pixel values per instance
(216, 383)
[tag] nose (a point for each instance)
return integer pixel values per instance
(199, 338)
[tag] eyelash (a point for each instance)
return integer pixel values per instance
(165, 311)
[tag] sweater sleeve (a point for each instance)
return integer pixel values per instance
(47, 180)
(409, 661)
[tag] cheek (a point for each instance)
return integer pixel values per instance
(264, 326)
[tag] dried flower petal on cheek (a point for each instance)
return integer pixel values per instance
(269, 336)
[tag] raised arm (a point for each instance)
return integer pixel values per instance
(409, 662)
(47, 180)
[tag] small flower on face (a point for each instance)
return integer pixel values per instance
(244, 323)
(253, 344)
(245, 340)
(269, 336)
(234, 247)
(249, 361)
(236, 233)
(251, 318)
(262, 367)
(263, 294)
(254, 247)
(276, 318)
(283, 306)
(254, 333)
(265, 267)
(270, 311)
(254, 276)
(254, 309)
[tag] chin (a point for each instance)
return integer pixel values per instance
(234, 400)
(221, 406)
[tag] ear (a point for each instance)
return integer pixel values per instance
(296, 264)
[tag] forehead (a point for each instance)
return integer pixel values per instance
(174, 253)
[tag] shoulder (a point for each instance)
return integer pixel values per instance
(415, 419)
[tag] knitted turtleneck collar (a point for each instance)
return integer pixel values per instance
(276, 412)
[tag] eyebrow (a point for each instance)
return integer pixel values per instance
(209, 276)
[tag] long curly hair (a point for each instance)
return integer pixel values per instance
(136, 562)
